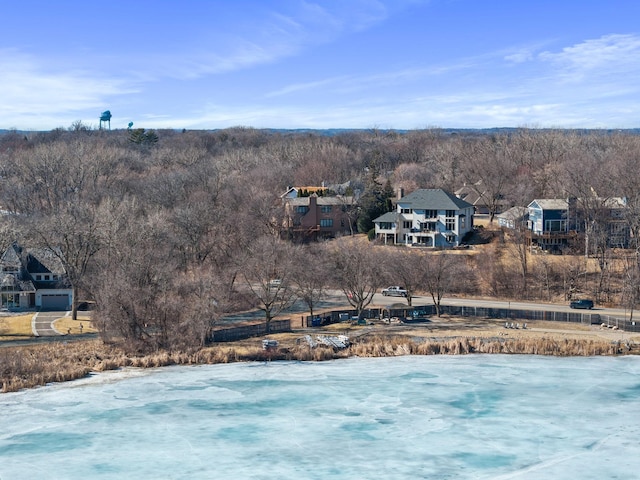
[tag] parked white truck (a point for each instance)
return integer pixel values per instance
(394, 292)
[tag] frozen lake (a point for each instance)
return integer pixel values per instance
(435, 417)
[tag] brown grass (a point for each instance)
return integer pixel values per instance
(384, 347)
(68, 325)
(34, 365)
(16, 326)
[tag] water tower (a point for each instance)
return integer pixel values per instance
(105, 117)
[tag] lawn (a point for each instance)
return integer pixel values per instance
(16, 326)
(67, 325)
(19, 326)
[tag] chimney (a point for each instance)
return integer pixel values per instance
(400, 193)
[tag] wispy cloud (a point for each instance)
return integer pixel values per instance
(595, 53)
(345, 84)
(277, 35)
(27, 88)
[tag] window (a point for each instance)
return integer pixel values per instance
(430, 213)
(555, 226)
(406, 210)
(462, 221)
(450, 220)
(326, 222)
(407, 224)
(325, 208)
(429, 226)
(450, 238)
(450, 224)
(386, 225)
(38, 277)
(303, 209)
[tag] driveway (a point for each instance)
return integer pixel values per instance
(42, 323)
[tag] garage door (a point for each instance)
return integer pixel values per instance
(55, 302)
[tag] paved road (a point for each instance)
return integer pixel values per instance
(335, 299)
(42, 323)
(379, 300)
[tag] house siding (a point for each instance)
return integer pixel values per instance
(432, 219)
(21, 279)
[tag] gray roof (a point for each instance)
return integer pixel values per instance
(470, 193)
(514, 213)
(434, 199)
(43, 260)
(389, 217)
(10, 257)
(551, 203)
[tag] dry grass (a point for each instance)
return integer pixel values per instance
(26, 367)
(384, 347)
(16, 326)
(67, 325)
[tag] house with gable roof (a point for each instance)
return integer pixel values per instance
(33, 278)
(477, 195)
(514, 218)
(557, 223)
(428, 218)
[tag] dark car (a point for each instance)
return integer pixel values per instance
(586, 304)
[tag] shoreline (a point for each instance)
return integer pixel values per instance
(28, 366)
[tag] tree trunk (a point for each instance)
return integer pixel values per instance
(74, 303)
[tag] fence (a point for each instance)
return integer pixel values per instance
(419, 313)
(247, 331)
(336, 316)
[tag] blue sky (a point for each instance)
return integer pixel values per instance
(401, 64)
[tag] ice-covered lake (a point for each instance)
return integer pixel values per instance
(435, 417)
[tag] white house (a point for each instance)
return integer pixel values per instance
(33, 278)
(428, 218)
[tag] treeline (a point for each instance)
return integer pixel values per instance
(168, 231)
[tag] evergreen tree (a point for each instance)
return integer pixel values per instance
(141, 136)
(375, 200)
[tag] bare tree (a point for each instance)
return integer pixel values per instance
(518, 248)
(310, 275)
(490, 169)
(440, 271)
(590, 187)
(357, 271)
(402, 266)
(267, 273)
(56, 189)
(631, 284)
(137, 281)
(73, 236)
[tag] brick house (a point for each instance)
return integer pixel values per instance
(315, 217)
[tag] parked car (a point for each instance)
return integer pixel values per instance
(88, 305)
(584, 303)
(394, 292)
